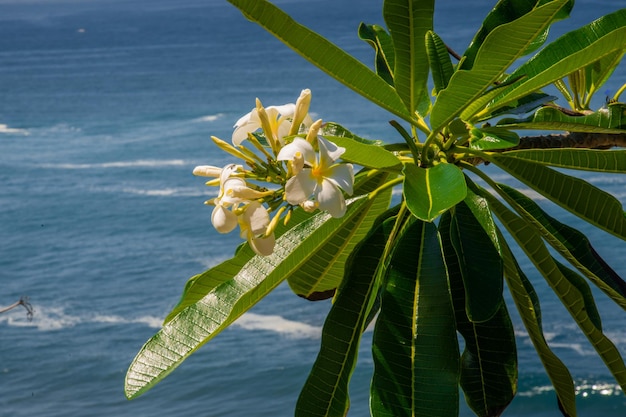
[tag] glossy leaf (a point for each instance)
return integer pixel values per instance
(431, 191)
(506, 11)
(570, 295)
(572, 51)
(416, 357)
(571, 244)
(502, 46)
(489, 138)
(325, 392)
(479, 259)
(371, 156)
(489, 358)
(325, 55)
(324, 271)
(613, 161)
(573, 194)
(521, 106)
(408, 22)
(528, 306)
(198, 323)
(606, 120)
(439, 61)
(378, 38)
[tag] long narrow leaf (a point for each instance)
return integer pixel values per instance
(198, 323)
(489, 359)
(325, 392)
(324, 54)
(502, 46)
(439, 61)
(613, 161)
(416, 357)
(408, 22)
(573, 194)
(380, 40)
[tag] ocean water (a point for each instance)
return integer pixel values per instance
(105, 108)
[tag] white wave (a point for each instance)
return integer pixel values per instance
(210, 117)
(150, 163)
(278, 324)
(55, 318)
(13, 131)
(166, 192)
(583, 389)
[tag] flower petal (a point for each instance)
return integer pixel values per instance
(329, 152)
(299, 147)
(246, 124)
(330, 199)
(256, 218)
(223, 220)
(262, 246)
(300, 187)
(342, 175)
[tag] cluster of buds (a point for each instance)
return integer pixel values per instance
(284, 150)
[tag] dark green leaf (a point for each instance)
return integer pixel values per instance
(380, 40)
(489, 138)
(325, 392)
(439, 60)
(416, 357)
(581, 159)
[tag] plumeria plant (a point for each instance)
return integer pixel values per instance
(313, 202)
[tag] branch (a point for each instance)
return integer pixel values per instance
(573, 140)
(23, 301)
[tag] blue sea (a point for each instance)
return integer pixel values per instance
(105, 108)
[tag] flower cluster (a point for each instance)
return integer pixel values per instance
(284, 149)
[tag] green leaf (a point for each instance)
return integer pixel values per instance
(324, 271)
(489, 138)
(335, 130)
(570, 52)
(380, 40)
(528, 306)
(325, 55)
(569, 294)
(606, 120)
(571, 244)
(599, 72)
(439, 61)
(325, 392)
(613, 161)
(506, 11)
(431, 191)
(521, 106)
(573, 194)
(416, 356)
(408, 22)
(502, 46)
(478, 258)
(370, 156)
(489, 359)
(198, 323)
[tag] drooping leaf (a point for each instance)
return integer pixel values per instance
(501, 47)
(613, 161)
(325, 392)
(489, 138)
(439, 61)
(478, 258)
(506, 11)
(571, 244)
(408, 22)
(606, 120)
(572, 51)
(324, 271)
(567, 291)
(573, 194)
(416, 356)
(489, 359)
(431, 191)
(198, 323)
(324, 54)
(379, 39)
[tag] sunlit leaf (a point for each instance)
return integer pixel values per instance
(416, 356)
(582, 159)
(431, 191)
(489, 138)
(324, 54)
(439, 61)
(198, 323)
(371, 156)
(379, 39)
(408, 22)
(325, 392)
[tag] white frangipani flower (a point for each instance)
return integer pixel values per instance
(279, 118)
(253, 223)
(319, 177)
